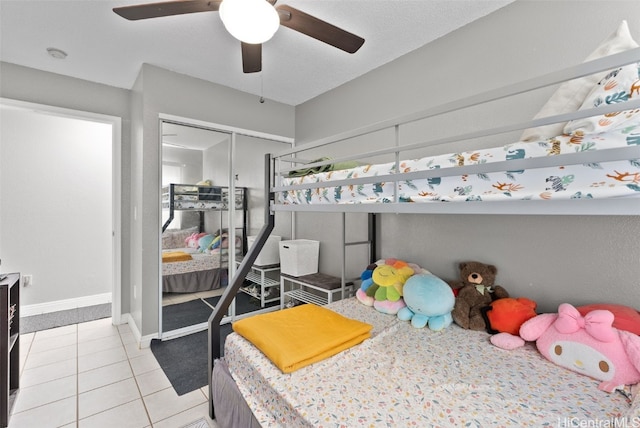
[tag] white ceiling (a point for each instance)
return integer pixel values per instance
(105, 48)
(190, 137)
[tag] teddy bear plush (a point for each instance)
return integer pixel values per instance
(475, 290)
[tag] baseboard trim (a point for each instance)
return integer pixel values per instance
(143, 341)
(63, 305)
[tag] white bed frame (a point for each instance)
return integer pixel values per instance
(278, 165)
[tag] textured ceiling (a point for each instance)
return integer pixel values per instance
(103, 47)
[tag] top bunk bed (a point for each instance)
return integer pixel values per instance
(581, 162)
(200, 198)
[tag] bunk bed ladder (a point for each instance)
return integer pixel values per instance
(237, 281)
(370, 242)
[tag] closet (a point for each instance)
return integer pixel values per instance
(202, 166)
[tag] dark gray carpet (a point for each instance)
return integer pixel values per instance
(184, 360)
(185, 314)
(61, 318)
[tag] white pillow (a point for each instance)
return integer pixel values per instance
(167, 240)
(616, 87)
(571, 94)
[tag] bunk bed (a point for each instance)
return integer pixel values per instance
(407, 376)
(188, 267)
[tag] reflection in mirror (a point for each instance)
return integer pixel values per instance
(261, 291)
(196, 216)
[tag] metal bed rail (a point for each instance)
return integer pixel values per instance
(286, 161)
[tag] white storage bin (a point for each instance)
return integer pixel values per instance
(299, 257)
(269, 255)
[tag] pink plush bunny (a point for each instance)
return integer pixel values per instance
(587, 345)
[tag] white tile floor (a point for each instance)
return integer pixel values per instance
(94, 375)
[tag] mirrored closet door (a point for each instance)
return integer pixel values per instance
(208, 223)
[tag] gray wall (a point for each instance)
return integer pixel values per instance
(551, 259)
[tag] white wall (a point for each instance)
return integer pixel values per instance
(190, 164)
(249, 166)
(551, 259)
(56, 204)
(39, 87)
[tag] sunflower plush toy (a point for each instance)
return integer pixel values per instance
(383, 282)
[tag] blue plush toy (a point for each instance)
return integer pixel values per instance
(205, 242)
(429, 300)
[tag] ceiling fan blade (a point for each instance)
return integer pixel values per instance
(318, 29)
(251, 57)
(169, 8)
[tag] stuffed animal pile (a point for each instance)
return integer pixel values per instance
(192, 241)
(208, 242)
(412, 293)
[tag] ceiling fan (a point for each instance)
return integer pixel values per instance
(242, 17)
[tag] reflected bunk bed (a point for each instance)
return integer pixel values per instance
(186, 266)
(402, 375)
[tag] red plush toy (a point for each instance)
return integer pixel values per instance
(506, 315)
(625, 317)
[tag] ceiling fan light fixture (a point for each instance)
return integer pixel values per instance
(250, 21)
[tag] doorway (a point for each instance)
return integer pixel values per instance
(199, 160)
(60, 181)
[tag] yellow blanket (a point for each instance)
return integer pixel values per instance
(175, 256)
(296, 337)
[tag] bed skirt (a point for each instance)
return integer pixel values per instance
(231, 410)
(192, 282)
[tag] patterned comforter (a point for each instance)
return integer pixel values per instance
(199, 262)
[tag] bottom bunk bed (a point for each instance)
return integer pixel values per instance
(200, 272)
(404, 376)
(193, 263)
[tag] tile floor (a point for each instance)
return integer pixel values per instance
(94, 375)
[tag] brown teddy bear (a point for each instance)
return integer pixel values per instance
(474, 291)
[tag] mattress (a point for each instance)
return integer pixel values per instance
(404, 376)
(610, 179)
(198, 262)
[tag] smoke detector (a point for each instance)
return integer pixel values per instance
(56, 53)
